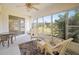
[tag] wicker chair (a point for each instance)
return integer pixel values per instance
(60, 47)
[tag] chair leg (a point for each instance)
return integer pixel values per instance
(8, 43)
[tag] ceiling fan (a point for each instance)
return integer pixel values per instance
(30, 6)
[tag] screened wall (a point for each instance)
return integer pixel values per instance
(62, 25)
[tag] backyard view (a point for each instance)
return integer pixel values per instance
(63, 25)
(73, 22)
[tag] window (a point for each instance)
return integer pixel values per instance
(16, 24)
(73, 25)
(22, 24)
(73, 17)
(47, 24)
(34, 23)
(34, 26)
(59, 25)
(40, 25)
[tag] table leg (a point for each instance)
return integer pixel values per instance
(12, 39)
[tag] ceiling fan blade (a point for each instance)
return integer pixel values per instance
(35, 3)
(19, 6)
(35, 8)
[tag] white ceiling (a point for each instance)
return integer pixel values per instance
(44, 8)
(21, 8)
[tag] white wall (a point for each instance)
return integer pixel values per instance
(0, 23)
(4, 18)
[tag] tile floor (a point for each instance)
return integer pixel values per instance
(14, 48)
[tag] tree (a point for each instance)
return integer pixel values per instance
(74, 21)
(61, 25)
